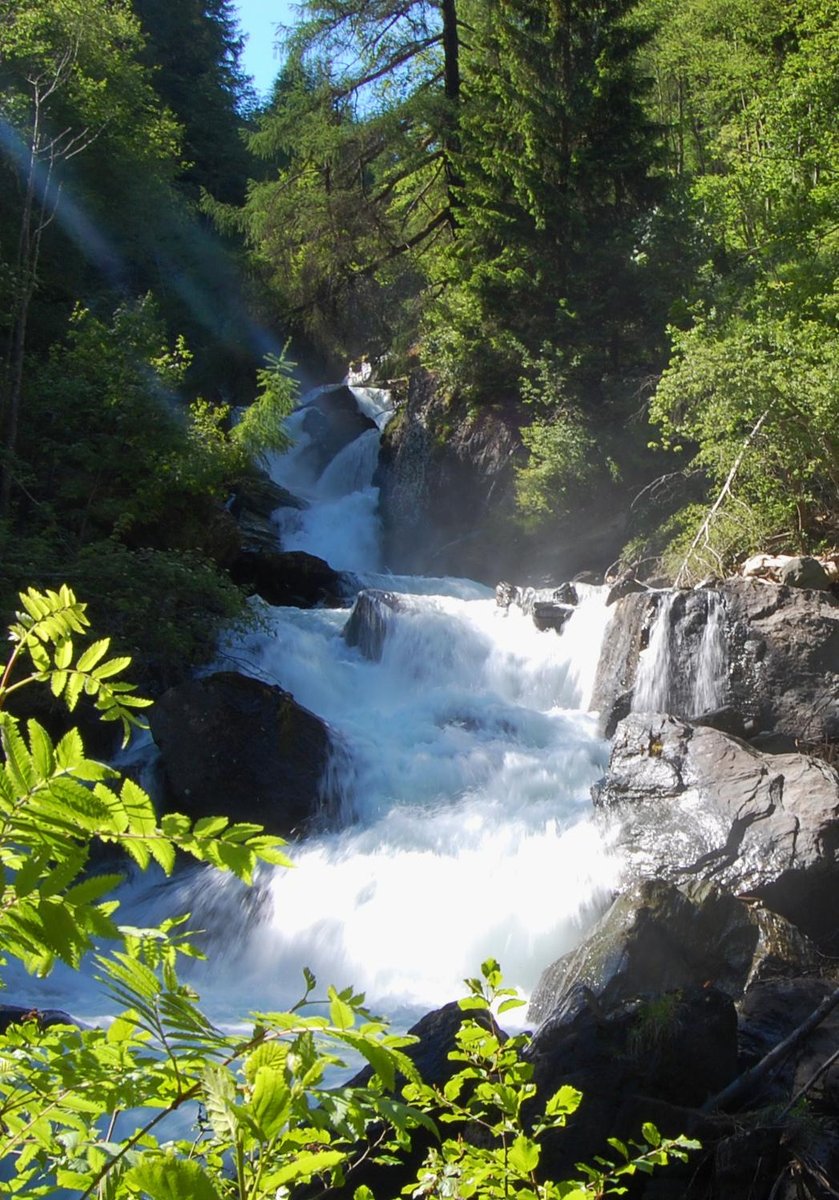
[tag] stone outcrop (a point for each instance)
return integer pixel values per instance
(695, 803)
(632, 1062)
(784, 657)
(333, 420)
(255, 498)
(237, 747)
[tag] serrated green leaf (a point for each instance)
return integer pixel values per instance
(163, 853)
(271, 1054)
(139, 808)
(18, 760)
(220, 1103)
(114, 666)
(69, 753)
(41, 747)
(92, 889)
(64, 653)
(340, 1013)
(73, 689)
(175, 825)
(93, 654)
(210, 826)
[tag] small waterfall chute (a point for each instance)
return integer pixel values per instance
(683, 670)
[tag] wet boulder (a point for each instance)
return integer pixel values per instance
(677, 1048)
(783, 657)
(292, 578)
(258, 493)
(255, 498)
(506, 594)
(657, 938)
(627, 636)
(550, 615)
(371, 618)
(778, 650)
(237, 747)
(693, 803)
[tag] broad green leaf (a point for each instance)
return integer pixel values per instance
(650, 1134)
(303, 1166)
(270, 1054)
(524, 1154)
(563, 1102)
(271, 1102)
(170, 1178)
(340, 1013)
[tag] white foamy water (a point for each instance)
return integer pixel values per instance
(463, 767)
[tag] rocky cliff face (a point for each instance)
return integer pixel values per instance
(447, 478)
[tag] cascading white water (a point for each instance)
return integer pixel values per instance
(465, 761)
(681, 671)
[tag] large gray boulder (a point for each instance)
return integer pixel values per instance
(784, 657)
(692, 802)
(237, 747)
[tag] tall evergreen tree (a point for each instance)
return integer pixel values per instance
(193, 48)
(359, 146)
(557, 181)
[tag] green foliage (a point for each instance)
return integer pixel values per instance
(86, 1110)
(489, 1097)
(125, 484)
(353, 185)
(260, 428)
(562, 450)
(778, 378)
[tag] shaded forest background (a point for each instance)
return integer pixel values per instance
(615, 222)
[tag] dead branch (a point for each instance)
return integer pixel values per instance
(705, 526)
(745, 1083)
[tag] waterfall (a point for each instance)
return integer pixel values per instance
(466, 757)
(684, 668)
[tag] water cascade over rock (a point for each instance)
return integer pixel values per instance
(768, 653)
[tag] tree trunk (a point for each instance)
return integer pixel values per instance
(451, 86)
